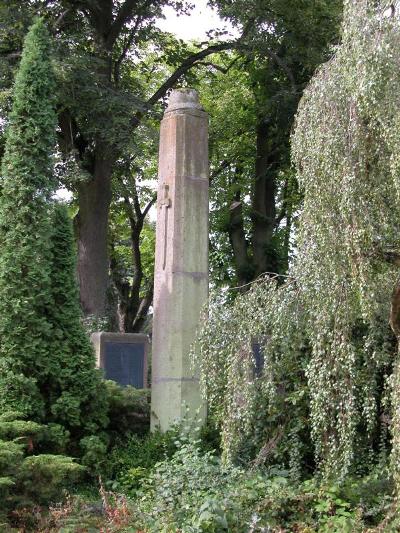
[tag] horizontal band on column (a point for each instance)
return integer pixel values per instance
(206, 181)
(195, 112)
(195, 275)
(171, 177)
(155, 381)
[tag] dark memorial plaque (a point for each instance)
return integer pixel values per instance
(123, 357)
(124, 363)
(258, 355)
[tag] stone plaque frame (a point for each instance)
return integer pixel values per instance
(100, 339)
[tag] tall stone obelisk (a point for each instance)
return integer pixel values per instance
(181, 268)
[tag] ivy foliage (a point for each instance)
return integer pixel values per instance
(46, 362)
(329, 352)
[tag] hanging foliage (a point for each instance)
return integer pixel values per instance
(346, 152)
(332, 323)
(253, 356)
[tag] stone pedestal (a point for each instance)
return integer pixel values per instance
(181, 268)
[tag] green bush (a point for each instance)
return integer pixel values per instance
(134, 451)
(186, 491)
(132, 459)
(28, 479)
(128, 410)
(194, 492)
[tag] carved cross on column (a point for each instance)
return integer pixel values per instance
(165, 204)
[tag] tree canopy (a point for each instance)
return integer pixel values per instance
(114, 69)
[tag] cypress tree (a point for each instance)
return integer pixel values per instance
(46, 362)
(25, 231)
(78, 395)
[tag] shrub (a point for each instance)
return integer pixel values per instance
(134, 454)
(194, 492)
(129, 410)
(27, 478)
(132, 459)
(186, 490)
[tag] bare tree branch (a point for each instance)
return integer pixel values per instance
(149, 206)
(395, 310)
(125, 15)
(143, 309)
(218, 67)
(283, 211)
(185, 66)
(386, 255)
(11, 55)
(282, 64)
(225, 164)
(126, 48)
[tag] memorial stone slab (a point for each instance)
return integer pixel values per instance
(123, 357)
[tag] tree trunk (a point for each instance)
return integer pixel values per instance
(132, 307)
(92, 227)
(94, 196)
(131, 318)
(263, 205)
(138, 322)
(237, 238)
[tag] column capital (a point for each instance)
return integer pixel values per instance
(184, 99)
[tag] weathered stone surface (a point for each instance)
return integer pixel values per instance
(181, 269)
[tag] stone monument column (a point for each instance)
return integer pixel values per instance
(181, 267)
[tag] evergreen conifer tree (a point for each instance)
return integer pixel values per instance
(46, 362)
(78, 395)
(25, 230)
(27, 479)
